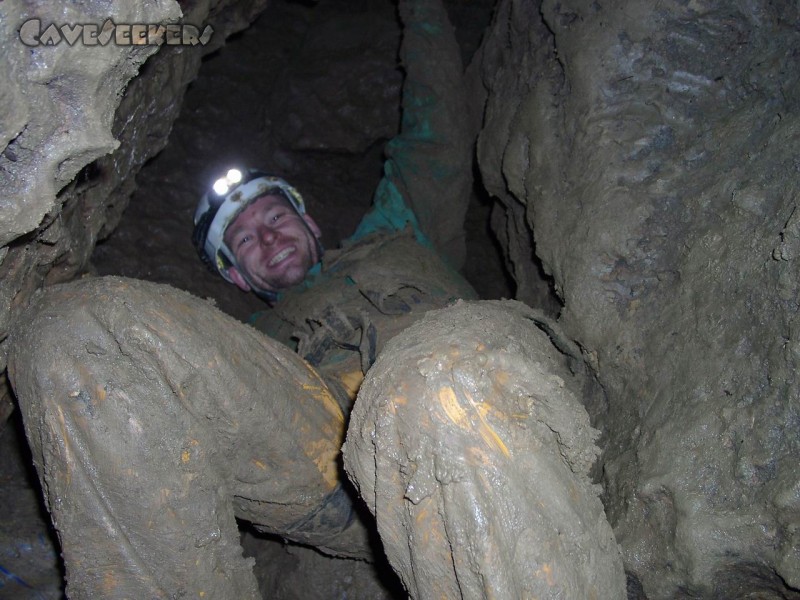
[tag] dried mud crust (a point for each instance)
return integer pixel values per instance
(471, 448)
(154, 420)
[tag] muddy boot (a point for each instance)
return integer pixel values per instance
(472, 450)
(154, 420)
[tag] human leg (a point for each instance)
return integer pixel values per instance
(154, 419)
(469, 445)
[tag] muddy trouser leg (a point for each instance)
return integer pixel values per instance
(154, 420)
(470, 447)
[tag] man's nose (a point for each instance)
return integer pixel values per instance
(267, 235)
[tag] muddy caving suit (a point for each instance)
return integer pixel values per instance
(155, 420)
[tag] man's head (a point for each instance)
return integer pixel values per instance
(274, 245)
(253, 230)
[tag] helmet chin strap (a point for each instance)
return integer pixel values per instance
(269, 296)
(320, 247)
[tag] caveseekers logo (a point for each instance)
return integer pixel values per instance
(91, 34)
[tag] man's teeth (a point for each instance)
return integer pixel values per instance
(280, 256)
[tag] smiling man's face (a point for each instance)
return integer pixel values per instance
(274, 245)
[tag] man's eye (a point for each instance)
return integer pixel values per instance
(276, 217)
(244, 239)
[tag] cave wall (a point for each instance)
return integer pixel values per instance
(651, 152)
(77, 122)
(646, 154)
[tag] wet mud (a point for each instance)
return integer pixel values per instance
(471, 447)
(643, 156)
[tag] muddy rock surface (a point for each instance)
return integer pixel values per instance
(293, 572)
(643, 159)
(652, 152)
(77, 123)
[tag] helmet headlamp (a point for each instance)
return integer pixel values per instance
(225, 184)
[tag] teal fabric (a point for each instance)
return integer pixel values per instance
(389, 212)
(409, 151)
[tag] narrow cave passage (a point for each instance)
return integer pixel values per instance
(310, 93)
(654, 146)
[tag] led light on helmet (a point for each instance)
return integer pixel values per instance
(223, 185)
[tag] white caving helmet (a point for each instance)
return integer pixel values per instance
(220, 206)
